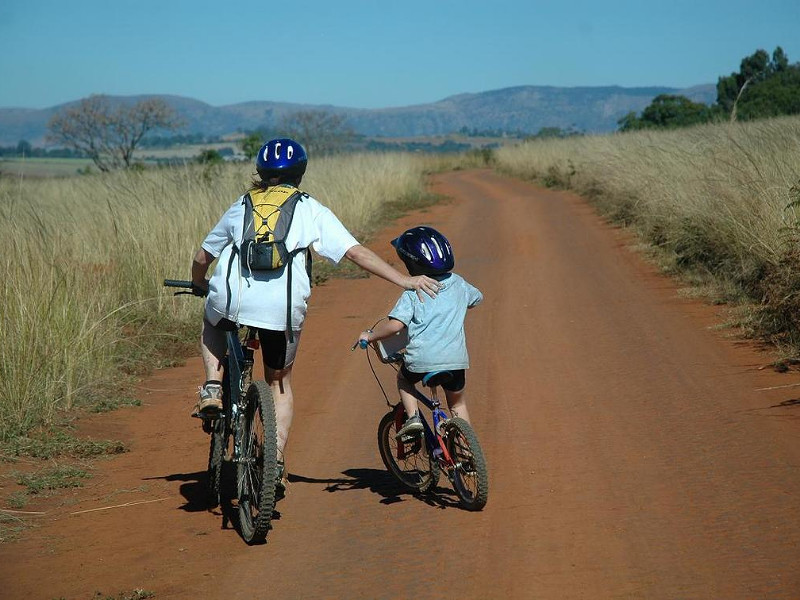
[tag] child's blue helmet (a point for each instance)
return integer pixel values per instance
(425, 251)
(282, 157)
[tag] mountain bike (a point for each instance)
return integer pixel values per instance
(450, 445)
(244, 433)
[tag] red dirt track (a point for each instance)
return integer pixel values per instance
(632, 448)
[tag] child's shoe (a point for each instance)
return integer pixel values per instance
(413, 425)
(210, 402)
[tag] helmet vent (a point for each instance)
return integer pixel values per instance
(438, 247)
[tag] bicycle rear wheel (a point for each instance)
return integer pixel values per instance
(410, 463)
(257, 470)
(470, 475)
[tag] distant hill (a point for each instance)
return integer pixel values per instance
(523, 108)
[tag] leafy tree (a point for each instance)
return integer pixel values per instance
(780, 62)
(674, 111)
(763, 87)
(210, 156)
(629, 122)
(252, 143)
(666, 111)
(106, 133)
(24, 148)
(319, 131)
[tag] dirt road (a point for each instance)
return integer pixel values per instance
(633, 451)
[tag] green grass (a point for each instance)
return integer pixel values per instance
(52, 478)
(11, 526)
(57, 443)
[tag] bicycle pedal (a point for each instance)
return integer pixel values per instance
(208, 416)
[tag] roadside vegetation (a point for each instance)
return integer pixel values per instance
(84, 258)
(718, 204)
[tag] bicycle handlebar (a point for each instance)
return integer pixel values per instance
(182, 283)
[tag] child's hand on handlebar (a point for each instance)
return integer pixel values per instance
(363, 340)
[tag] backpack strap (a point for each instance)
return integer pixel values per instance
(289, 261)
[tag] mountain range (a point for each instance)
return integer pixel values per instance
(516, 109)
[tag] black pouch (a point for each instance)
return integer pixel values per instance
(260, 256)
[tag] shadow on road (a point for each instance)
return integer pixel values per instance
(382, 484)
(194, 489)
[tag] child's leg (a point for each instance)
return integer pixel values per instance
(457, 404)
(406, 395)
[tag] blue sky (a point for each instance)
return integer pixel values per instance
(372, 54)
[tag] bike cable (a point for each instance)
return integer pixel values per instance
(372, 368)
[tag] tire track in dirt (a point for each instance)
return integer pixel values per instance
(630, 454)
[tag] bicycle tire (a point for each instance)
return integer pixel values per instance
(220, 431)
(215, 455)
(418, 471)
(470, 476)
(257, 470)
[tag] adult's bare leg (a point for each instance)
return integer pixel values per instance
(280, 381)
(212, 347)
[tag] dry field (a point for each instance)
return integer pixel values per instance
(84, 257)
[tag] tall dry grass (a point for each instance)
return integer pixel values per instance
(716, 200)
(83, 260)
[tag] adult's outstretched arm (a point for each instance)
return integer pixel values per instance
(372, 263)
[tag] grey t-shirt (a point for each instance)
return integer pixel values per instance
(436, 326)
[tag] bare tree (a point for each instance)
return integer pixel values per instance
(320, 131)
(109, 134)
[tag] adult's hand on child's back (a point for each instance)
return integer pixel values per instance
(423, 283)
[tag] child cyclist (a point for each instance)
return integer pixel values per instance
(435, 327)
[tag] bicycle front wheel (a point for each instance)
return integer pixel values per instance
(257, 470)
(410, 462)
(470, 475)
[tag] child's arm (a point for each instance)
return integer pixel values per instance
(474, 296)
(382, 330)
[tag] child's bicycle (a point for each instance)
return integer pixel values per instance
(450, 446)
(245, 434)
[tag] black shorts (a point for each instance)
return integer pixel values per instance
(456, 384)
(276, 350)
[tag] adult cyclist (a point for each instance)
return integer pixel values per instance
(236, 295)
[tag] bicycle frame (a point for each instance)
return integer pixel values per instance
(240, 369)
(433, 437)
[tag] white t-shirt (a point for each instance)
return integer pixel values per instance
(258, 298)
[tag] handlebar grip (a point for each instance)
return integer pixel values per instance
(179, 283)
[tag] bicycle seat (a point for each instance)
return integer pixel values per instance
(435, 378)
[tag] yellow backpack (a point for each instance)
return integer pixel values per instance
(268, 214)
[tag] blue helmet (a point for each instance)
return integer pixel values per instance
(282, 158)
(425, 251)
